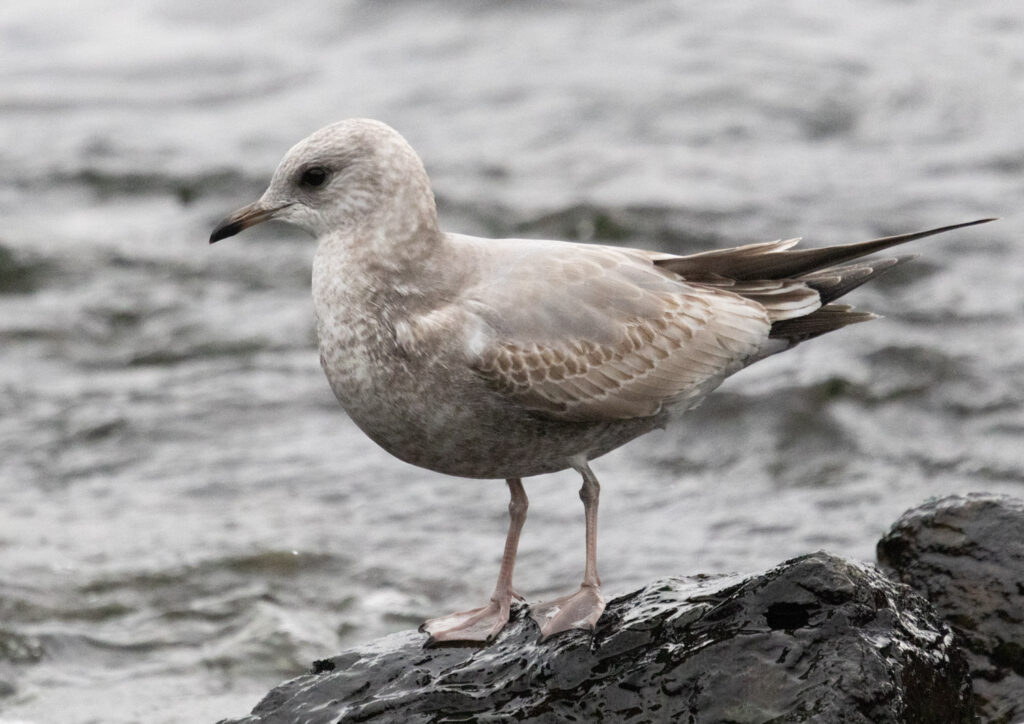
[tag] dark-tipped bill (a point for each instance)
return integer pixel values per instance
(245, 217)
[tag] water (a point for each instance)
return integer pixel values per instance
(187, 518)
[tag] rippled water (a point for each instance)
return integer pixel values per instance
(186, 516)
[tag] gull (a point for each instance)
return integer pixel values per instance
(509, 358)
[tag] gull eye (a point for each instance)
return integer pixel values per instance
(313, 177)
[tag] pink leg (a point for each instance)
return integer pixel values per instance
(583, 608)
(483, 624)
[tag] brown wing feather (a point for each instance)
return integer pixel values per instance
(700, 337)
(602, 334)
(803, 275)
(777, 260)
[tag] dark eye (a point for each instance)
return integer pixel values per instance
(313, 176)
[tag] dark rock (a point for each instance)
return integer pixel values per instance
(816, 639)
(966, 555)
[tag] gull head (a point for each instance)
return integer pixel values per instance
(352, 175)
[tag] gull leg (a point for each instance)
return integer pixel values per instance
(483, 624)
(583, 608)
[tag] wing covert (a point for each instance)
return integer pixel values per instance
(610, 336)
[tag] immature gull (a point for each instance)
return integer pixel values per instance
(506, 358)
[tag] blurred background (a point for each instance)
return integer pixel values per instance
(187, 517)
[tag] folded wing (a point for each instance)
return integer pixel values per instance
(590, 333)
(603, 334)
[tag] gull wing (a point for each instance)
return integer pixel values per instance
(590, 333)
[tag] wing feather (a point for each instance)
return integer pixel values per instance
(592, 333)
(606, 335)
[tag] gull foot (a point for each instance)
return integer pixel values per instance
(577, 610)
(479, 625)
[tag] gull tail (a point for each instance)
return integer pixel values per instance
(832, 283)
(797, 286)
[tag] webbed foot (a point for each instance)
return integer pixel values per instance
(577, 610)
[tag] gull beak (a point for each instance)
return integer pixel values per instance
(245, 217)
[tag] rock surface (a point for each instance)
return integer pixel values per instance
(966, 555)
(815, 639)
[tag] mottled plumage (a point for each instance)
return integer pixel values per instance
(509, 358)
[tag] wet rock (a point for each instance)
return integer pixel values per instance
(966, 555)
(816, 639)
